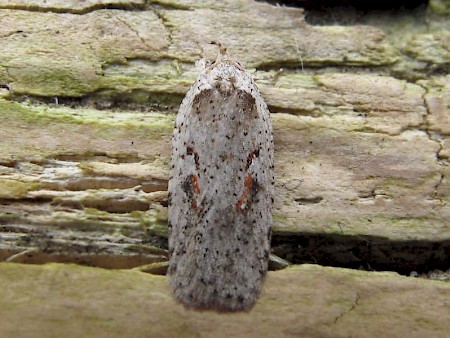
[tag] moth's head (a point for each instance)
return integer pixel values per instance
(225, 73)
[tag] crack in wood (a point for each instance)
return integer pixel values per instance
(79, 10)
(350, 309)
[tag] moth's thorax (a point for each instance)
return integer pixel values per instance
(226, 76)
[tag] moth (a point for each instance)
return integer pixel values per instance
(221, 190)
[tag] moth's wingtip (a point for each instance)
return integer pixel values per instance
(216, 307)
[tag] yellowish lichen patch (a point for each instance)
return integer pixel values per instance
(15, 189)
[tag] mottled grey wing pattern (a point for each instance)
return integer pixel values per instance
(220, 192)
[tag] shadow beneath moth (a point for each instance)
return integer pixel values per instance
(221, 190)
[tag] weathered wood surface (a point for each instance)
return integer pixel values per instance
(303, 301)
(88, 96)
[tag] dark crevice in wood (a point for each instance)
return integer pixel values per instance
(364, 252)
(323, 5)
(371, 253)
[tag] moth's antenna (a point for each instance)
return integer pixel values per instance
(222, 49)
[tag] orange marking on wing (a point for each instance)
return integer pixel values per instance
(241, 204)
(195, 184)
(196, 187)
(248, 183)
(194, 204)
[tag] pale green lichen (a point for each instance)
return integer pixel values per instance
(15, 189)
(155, 229)
(441, 7)
(64, 124)
(154, 221)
